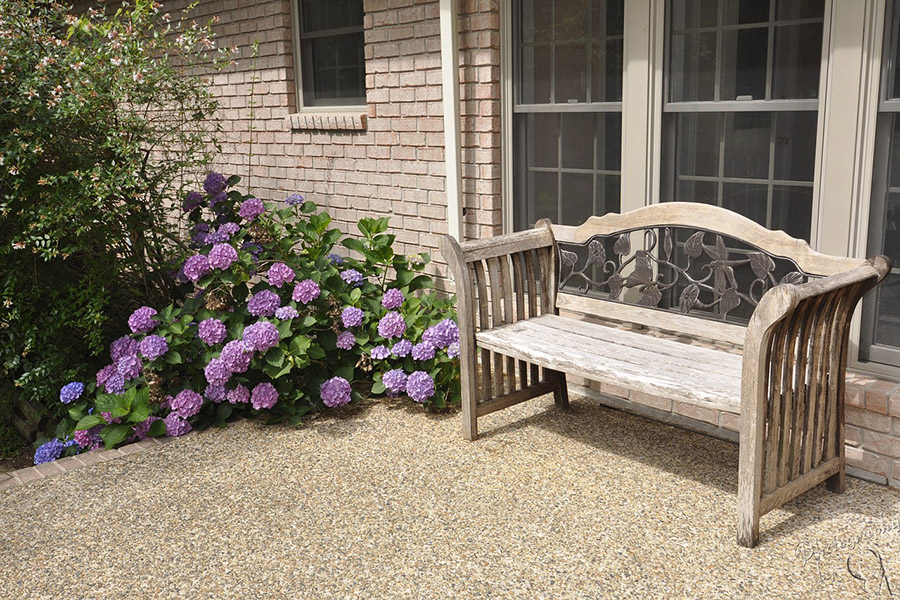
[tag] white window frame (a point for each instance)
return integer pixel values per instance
(299, 105)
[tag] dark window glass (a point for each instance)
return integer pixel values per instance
(331, 50)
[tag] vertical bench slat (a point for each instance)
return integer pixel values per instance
(517, 266)
(486, 389)
(837, 368)
(508, 317)
(788, 417)
(823, 338)
(776, 394)
(805, 315)
(493, 267)
(815, 374)
(532, 302)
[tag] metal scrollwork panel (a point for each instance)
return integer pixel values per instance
(689, 270)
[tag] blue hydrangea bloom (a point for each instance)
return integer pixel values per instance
(48, 452)
(71, 392)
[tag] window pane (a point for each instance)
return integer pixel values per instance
(689, 14)
(576, 198)
(537, 22)
(337, 66)
(795, 143)
(800, 9)
(320, 15)
(609, 141)
(694, 59)
(792, 210)
(742, 12)
(747, 140)
(544, 196)
(887, 319)
(543, 140)
(744, 54)
(535, 81)
(606, 80)
(578, 140)
(571, 20)
(747, 199)
(798, 58)
(571, 74)
(698, 144)
(609, 190)
(705, 192)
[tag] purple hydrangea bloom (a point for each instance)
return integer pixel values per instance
(109, 378)
(71, 392)
(264, 396)
(423, 351)
(217, 199)
(335, 392)
(175, 425)
(306, 291)
(420, 386)
(217, 372)
(251, 208)
(198, 233)
(260, 336)
(453, 350)
(122, 347)
(391, 325)
(215, 393)
(239, 395)
(142, 429)
(442, 335)
(222, 256)
(280, 274)
(380, 352)
(216, 237)
(336, 259)
(187, 403)
(215, 183)
(229, 229)
(286, 313)
(211, 331)
(153, 346)
(48, 452)
(196, 267)
(263, 303)
(111, 419)
(141, 320)
(394, 381)
(129, 366)
(294, 199)
(345, 340)
(88, 438)
(192, 201)
(393, 298)
(402, 348)
(236, 357)
(352, 317)
(352, 277)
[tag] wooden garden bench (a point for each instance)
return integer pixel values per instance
(689, 269)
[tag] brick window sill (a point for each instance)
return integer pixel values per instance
(327, 121)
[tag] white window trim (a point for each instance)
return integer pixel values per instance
(299, 108)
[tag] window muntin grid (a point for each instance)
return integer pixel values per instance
(331, 52)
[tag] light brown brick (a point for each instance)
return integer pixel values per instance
(882, 443)
(867, 420)
(664, 404)
(867, 461)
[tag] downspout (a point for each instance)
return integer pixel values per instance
(452, 136)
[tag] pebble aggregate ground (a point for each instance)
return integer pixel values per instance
(382, 501)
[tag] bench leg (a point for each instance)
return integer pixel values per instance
(837, 483)
(561, 391)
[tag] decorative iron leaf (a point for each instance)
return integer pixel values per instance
(643, 270)
(622, 246)
(567, 258)
(729, 301)
(720, 283)
(615, 286)
(688, 299)
(717, 252)
(762, 264)
(667, 244)
(693, 247)
(794, 278)
(596, 253)
(650, 296)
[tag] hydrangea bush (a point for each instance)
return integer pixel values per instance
(275, 320)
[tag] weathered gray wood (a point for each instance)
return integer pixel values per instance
(506, 244)
(465, 307)
(507, 400)
(484, 319)
(650, 317)
(799, 485)
(518, 266)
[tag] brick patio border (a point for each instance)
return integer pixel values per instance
(71, 463)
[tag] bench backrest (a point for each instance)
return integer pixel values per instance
(667, 264)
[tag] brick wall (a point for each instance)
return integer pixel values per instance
(387, 159)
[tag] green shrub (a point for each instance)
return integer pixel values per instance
(274, 322)
(100, 119)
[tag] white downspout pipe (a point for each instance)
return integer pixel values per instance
(452, 136)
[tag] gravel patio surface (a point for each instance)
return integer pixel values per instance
(383, 501)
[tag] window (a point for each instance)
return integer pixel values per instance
(567, 111)
(741, 107)
(329, 53)
(880, 334)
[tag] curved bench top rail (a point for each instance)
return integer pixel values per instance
(713, 219)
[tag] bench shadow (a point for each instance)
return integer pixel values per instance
(701, 458)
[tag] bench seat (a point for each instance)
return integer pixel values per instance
(658, 366)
